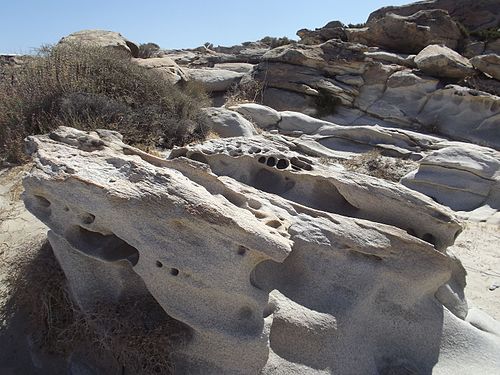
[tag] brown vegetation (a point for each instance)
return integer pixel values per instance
(134, 336)
(90, 87)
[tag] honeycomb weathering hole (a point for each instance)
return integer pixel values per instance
(107, 248)
(42, 201)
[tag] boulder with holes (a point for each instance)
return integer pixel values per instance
(274, 262)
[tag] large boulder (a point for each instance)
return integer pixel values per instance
(276, 263)
(489, 64)
(166, 67)
(214, 80)
(261, 115)
(408, 34)
(102, 38)
(440, 61)
(227, 123)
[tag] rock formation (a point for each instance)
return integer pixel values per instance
(102, 38)
(266, 243)
(276, 262)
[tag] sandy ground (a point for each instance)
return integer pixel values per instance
(18, 231)
(478, 247)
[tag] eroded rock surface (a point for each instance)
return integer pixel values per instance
(276, 262)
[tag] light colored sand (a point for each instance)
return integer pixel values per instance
(478, 247)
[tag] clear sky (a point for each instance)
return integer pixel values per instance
(27, 24)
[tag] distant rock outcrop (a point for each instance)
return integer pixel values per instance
(408, 34)
(475, 15)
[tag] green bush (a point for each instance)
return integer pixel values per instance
(90, 87)
(487, 34)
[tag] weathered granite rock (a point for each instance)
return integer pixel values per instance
(235, 67)
(166, 66)
(461, 176)
(489, 64)
(276, 263)
(463, 114)
(408, 34)
(394, 58)
(261, 115)
(332, 30)
(440, 61)
(214, 80)
(228, 123)
(473, 14)
(102, 38)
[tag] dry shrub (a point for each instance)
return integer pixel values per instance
(248, 91)
(373, 163)
(133, 336)
(91, 87)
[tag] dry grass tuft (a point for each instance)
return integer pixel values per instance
(249, 91)
(133, 337)
(373, 163)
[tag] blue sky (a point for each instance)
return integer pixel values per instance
(27, 24)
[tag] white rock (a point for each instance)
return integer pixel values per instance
(275, 262)
(489, 64)
(442, 61)
(228, 123)
(261, 115)
(166, 66)
(214, 79)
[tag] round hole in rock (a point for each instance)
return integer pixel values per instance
(42, 201)
(271, 161)
(242, 250)
(260, 215)
(66, 209)
(88, 219)
(262, 160)
(282, 164)
(159, 264)
(174, 271)
(245, 313)
(252, 203)
(274, 223)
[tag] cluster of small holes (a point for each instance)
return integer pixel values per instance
(299, 164)
(173, 271)
(271, 161)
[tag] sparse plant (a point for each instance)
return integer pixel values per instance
(277, 42)
(148, 50)
(326, 103)
(356, 25)
(89, 87)
(249, 91)
(373, 163)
